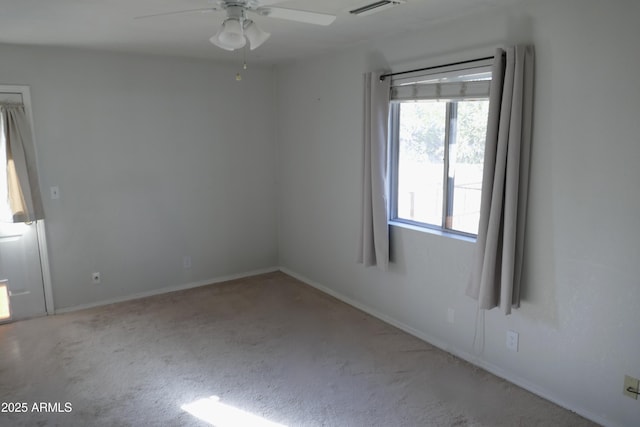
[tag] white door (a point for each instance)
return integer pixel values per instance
(20, 270)
(20, 266)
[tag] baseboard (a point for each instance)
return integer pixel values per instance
(168, 289)
(468, 357)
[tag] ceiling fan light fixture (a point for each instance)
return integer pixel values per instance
(230, 36)
(216, 41)
(255, 34)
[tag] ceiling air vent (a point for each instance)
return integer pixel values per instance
(374, 7)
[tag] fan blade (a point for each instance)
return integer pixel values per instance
(297, 15)
(178, 12)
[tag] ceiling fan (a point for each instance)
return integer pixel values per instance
(237, 28)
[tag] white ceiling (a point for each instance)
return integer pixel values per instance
(109, 25)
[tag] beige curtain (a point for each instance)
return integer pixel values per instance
(22, 178)
(374, 236)
(495, 279)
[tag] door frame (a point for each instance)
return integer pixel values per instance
(41, 234)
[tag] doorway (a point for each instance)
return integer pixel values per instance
(25, 285)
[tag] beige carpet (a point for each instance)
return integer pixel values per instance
(269, 346)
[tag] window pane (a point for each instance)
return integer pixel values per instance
(5, 313)
(465, 164)
(421, 161)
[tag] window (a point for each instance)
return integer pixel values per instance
(438, 127)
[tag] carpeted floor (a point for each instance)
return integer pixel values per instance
(270, 346)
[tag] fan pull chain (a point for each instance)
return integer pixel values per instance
(244, 63)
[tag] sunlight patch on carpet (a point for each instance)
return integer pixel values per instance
(218, 414)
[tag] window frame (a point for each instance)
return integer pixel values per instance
(393, 141)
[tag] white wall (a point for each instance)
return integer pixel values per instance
(155, 158)
(580, 317)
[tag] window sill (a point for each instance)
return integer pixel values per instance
(433, 231)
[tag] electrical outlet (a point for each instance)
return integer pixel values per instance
(186, 261)
(55, 192)
(95, 278)
(631, 383)
(512, 340)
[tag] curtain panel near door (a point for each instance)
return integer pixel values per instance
(496, 275)
(374, 230)
(22, 178)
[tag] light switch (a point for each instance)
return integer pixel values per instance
(512, 340)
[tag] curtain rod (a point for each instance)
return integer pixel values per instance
(435, 67)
